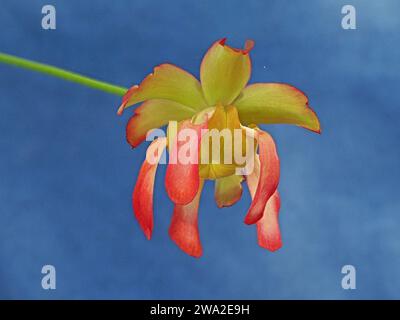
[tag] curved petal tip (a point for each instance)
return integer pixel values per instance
(268, 231)
(248, 46)
(184, 229)
(142, 196)
(268, 179)
(126, 98)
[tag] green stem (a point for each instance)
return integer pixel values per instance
(61, 73)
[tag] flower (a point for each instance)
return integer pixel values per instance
(221, 100)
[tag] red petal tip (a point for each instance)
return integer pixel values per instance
(249, 45)
(184, 230)
(148, 233)
(125, 99)
(250, 220)
(271, 247)
(121, 109)
(268, 231)
(222, 41)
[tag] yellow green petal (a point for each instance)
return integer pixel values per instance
(228, 190)
(167, 82)
(267, 103)
(224, 72)
(154, 114)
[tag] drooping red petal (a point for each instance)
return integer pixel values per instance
(182, 179)
(269, 177)
(268, 233)
(184, 229)
(142, 197)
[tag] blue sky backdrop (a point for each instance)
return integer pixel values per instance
(67, 173)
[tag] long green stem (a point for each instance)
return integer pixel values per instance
(61, 73)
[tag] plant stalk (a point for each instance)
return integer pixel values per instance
(62, 74)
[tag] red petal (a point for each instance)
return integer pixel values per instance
(184, 229)
(268, 233)
(269, 177)
(142, 197)
(182, 180)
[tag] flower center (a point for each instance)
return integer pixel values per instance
(223, 146)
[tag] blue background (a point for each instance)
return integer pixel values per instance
(66, 172)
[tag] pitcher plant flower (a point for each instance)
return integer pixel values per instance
(221, 100)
